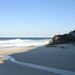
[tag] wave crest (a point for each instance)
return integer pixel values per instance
(22, 43)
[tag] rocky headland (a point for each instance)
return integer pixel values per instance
(63, 39)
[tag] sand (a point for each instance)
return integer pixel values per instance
(61, 57)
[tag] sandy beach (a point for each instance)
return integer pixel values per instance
(61, 57)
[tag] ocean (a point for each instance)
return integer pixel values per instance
(19, 42)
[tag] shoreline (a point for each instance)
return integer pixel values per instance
(54, 57)
(16, 48)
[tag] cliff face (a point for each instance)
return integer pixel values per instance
(65, 38)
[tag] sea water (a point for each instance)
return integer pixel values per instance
(19, 42)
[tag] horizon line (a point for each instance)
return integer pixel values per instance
(26, 36)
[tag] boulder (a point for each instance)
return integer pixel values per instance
(72, 33)
(65, 38)
(50, 45)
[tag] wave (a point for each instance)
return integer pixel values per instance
(14, 43)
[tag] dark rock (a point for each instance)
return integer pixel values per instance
(62, 39)
(72, 33)
(46, 44)
(51, 45)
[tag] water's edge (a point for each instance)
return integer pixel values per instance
(49, 69)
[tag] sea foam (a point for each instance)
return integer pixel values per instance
(18, 43)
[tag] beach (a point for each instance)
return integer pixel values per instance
(37, 37)
(33, 59)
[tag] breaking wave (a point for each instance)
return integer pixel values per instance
(18, 43)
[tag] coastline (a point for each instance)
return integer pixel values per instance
(16, 48)
(54, 57)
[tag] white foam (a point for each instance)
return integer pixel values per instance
(22, 43)
(49, 69)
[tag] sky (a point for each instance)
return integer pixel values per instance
(36, 18)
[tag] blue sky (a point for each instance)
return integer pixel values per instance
(31, 18)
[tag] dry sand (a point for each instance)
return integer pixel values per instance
(60, 57)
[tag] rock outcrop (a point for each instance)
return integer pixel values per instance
(72, 33)
(65, 38)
